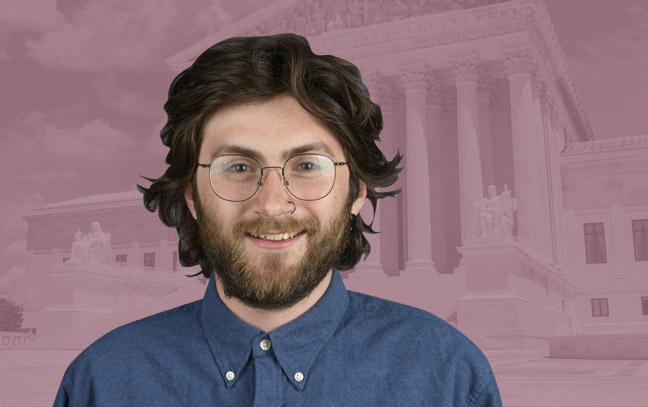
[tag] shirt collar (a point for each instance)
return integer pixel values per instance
(296, 344)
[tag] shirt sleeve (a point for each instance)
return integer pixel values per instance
(63, 395)
(76, 389)
(489, 396)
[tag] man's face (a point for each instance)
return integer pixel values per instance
(263, 273)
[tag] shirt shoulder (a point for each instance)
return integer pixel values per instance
(171, 322)
(120, 357)
(427, 344)
(405, 316)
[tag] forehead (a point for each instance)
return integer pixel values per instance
(269, 130)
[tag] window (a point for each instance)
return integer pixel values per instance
(149, 259)
(600, 307)
(595, 243)
(175, 261)
(121, 258)
(644, 305)
(640, 236)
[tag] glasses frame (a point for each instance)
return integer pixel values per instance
(283, 176)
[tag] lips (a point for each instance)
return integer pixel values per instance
(273, 241)
(275, 236)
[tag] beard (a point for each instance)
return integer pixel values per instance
(271, 283)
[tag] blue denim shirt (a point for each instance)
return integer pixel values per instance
(349, 349)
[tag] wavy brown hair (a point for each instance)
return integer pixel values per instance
(253, 69)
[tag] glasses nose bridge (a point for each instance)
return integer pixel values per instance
(283, 177)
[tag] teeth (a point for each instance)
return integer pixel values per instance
(278, 236)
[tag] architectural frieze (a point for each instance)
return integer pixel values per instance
(417, 31)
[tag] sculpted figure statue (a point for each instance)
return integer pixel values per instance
(80, 248)
(495, 213)
(93, 247)
(377, 11)
(356, 14)
(316, 18)
(336, 23)
(399, 10)
(99, 244)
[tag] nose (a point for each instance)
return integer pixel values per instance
(272, 198)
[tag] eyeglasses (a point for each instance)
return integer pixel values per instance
(237, 178)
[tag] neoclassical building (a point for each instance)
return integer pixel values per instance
(474, 94)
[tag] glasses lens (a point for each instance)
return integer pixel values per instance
(234, 177)
(309, 176)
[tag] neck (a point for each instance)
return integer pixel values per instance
(269, 320)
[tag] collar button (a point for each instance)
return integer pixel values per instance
(265, 344)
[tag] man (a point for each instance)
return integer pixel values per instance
(272, 154)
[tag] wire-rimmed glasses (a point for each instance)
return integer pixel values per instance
(307, 177)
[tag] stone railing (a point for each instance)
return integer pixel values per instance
(8, 339)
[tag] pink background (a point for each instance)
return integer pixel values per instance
(83, 83)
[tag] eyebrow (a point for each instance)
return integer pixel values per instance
(306, 148)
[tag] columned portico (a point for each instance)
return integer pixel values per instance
(468, 122)
(419, 248)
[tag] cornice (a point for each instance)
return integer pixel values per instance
(611, 144)
(554, 58)
(607, 167)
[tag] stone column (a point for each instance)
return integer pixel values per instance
(544, 217)
(485, 88)
(437, 193)
(555, 146)
(519, 66)
(468, 122)
(384, 95)
(419, 229)
(621, 252)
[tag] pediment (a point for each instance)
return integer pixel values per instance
(315, 17)
(312, 18)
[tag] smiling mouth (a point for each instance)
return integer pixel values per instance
(275, 236)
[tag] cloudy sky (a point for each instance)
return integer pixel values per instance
(83, 83)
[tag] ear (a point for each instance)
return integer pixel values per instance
(360, 200)
(191, 204)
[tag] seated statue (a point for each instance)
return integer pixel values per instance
(93, 247)
(495, 213)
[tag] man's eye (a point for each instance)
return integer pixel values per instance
(239, 168)
(307, 166)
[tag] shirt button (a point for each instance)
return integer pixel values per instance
(299, 376)
(265, 344)
(230, 375)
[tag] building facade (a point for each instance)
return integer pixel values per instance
(474, 94)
